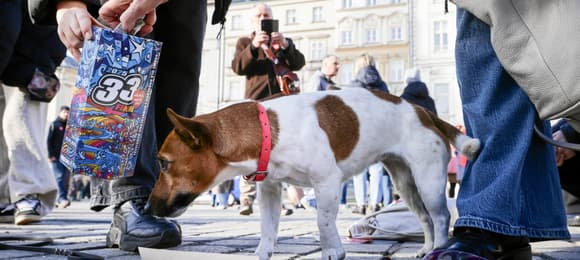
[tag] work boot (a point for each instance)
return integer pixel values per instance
(132, 228)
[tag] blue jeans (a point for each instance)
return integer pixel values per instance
(512, 187)
(379, 185)
(359, 182)
(62, 175)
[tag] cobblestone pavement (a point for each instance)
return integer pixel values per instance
(214, 230)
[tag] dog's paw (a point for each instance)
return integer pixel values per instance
(421, 253)
(333, 254)
(263, 253)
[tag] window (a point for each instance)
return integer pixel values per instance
(371, 36)
(440, 37)
(395, 1)
(317, 50)
(396, 33)
(371, 2)
(317, 14)
(396, 71)
(346, 37)
(291, 16)
(346, 3)
(236, 23)
(441, 97)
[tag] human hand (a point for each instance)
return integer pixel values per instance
(74, 25)
(261, 38)
(278, 41)
(562, 154)
(127, 12)
(52, 159)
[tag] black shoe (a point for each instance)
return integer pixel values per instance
(7, 213)
(473, 243)
(132, 228)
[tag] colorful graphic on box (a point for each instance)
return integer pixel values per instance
(109, 105)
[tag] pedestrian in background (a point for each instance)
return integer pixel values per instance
(322, 79)
(54, 144)
(251, 60)
(29, 55)
(380, 187)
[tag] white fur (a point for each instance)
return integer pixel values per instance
(415, 156)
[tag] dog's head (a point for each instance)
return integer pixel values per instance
(188, 166)
(199, 149)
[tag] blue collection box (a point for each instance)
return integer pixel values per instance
(109, 105)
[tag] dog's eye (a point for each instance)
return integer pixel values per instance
(163, 164)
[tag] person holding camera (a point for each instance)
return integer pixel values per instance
(253, 58)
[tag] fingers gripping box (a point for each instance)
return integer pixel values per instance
(109, 105)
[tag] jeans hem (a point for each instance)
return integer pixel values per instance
(99, 202)
(534, 234)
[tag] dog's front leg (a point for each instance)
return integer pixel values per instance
(270, 196)
(327, 202)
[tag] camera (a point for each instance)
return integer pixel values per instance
(269, 26)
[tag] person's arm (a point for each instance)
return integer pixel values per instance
(293, 57)
(245, 56)
(51, 152)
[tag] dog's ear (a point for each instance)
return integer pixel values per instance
(193, 133)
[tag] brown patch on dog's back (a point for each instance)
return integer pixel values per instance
(340, 123)
(386, 96)
(432, 122)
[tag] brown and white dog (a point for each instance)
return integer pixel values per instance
(319, 140)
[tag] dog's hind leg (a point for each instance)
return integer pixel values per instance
(327, 198)
(404, 181)
(270, 195)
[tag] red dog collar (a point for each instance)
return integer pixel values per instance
(262, 171)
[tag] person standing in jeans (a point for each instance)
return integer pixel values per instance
(510, 193)
(54, 145)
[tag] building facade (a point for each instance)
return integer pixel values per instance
(399, 34)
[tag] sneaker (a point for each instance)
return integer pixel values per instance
(63, 204)
(286, 211)
(27, 211)
(7, 213)
(360, 210)
(246, 210)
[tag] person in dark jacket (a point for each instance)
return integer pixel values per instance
(251, 60)
(568, 164)
(54, 145)
(180, 25)
(367, 75)
(29, 55)
(416, 91)
(322, 79)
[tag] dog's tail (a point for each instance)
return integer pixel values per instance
(468, 146)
